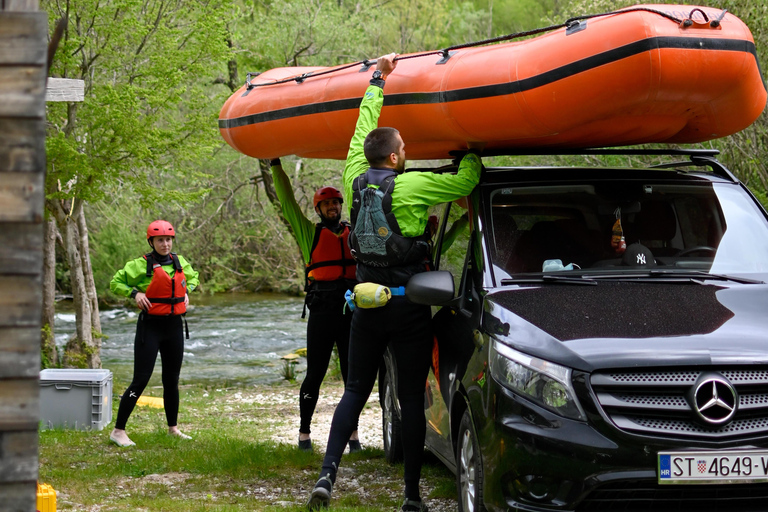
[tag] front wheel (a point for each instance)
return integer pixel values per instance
(391, 428)
(469, 468)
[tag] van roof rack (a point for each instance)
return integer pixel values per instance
(698, 157)
(602, 151)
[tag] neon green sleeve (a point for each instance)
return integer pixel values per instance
(416, 191)
(133, 275)
(191, 275)
(303, 228)
(368, 119)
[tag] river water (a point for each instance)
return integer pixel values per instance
(232, 338)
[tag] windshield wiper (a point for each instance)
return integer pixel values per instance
(705, 276)
(549, 278)
(697, 276)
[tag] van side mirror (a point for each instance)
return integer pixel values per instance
(431, 288)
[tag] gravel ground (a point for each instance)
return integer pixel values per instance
(281, 403)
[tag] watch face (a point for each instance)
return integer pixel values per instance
(377, 74)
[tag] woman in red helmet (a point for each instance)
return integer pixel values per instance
(159, 281)
(329, 273)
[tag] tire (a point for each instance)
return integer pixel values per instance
(469, 468)
(391, 428)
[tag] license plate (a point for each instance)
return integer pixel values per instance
(713, 467)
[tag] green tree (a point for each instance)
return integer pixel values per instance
(148, 67)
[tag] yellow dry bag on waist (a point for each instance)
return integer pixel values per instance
(371, 295)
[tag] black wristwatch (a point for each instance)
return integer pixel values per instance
(377, 79)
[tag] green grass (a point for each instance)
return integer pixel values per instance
(232, 464)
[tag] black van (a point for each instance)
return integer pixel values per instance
(602, 340)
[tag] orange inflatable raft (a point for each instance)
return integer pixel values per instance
(653, 73)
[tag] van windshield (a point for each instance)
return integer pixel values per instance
(623, 226)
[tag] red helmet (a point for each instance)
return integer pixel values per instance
(324, 193)
(160, 228)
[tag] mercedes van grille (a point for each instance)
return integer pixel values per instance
(658, 403)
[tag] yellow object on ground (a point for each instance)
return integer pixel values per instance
(290, 357)
(301, 351)
(46, 498)
(150, 401)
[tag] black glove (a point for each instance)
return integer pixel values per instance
(459, 154)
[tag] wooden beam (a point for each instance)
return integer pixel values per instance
(22, 91)
(23, 68)
(19, 411)
(65, 89)
(21, 245)
(21, 194)
(16, 45)
(20, 301)
(21, 5)
(21, 353)
(22, 145)
(20, 450)
(16, 496)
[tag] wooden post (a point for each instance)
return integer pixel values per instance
(23, 53)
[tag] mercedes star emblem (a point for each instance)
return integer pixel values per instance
(714, 399)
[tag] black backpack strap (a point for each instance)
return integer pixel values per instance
(358, 185)
(150, 264)
(176, 262)
(386, 187)
(308, 268)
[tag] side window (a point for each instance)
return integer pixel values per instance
(453, 244)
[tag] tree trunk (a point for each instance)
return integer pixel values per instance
(47, 340)
(82, 350)
(90, 284)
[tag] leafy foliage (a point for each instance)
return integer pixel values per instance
(144, 143)
(146, 67)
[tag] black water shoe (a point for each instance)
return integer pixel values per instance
(413, 506)
(305, 445)
(320, 496)
(354, 446)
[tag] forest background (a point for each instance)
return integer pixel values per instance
(145, 144)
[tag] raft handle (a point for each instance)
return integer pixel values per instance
(248, 76)
(366, 65)
(446, 55)
(689, 21)
(574, 26)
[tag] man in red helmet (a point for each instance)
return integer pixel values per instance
(159, 281)
(391, 242)
(329, 272)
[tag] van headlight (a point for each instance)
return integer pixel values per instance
(543, 382)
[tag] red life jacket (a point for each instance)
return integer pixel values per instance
(165, 292)
(330, 258)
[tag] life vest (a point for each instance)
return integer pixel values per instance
(330, 258)
(377, 240)
(165, 292)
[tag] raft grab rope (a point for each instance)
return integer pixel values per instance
(571, 25)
